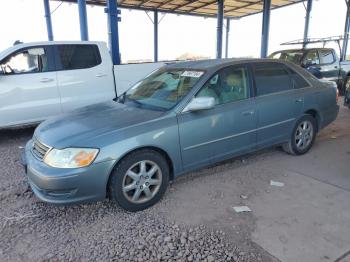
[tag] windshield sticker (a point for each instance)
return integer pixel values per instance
(192, 74)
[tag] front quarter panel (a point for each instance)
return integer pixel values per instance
(161, 134)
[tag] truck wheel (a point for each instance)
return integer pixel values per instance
(303, 136)
(139, 180)
(346, 86)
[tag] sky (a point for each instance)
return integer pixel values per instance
(178, 34)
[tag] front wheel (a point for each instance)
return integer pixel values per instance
(303, 136)
(139, 180)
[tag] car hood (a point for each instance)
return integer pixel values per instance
(87, 123)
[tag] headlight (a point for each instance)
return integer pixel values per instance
(71, 157)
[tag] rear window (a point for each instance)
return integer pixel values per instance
(271, 78)
(78, 56)
(298, 80)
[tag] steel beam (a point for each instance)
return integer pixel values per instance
(265, 29)
(227, 36)
(113, 33)
(48, 20)
(346, 31)
(220, 22)
(307, 22)
(155, 35)
(84, 33)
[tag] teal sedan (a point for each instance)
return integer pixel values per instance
(182, 117)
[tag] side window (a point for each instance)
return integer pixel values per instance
(228, 85)
(78, 56)
(271, 78)
(312, 58)
(326, 56)
(31, 60)
(298, 80)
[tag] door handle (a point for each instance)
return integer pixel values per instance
(45, 80)
(248, 113)
(101, 75)
(299, 100)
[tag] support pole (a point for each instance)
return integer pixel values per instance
(48, 20)
(307, 21)
(346, 31)
(220, 21)
(155, 29)
(227, 36)
(84, 35)
(113, 33)
(265, 29)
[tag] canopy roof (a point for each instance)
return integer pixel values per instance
(206, 8)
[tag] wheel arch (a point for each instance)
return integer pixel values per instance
(315, 114)
(154, 148)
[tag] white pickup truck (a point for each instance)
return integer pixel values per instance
(44, 79)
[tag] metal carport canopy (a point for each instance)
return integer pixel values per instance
(205, 8)
(220, 9)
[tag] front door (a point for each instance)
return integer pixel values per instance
(329, 65)
(28, 87)
(227, 129)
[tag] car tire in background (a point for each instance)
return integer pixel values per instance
(303, 136)
(139, 180)
(347, 89)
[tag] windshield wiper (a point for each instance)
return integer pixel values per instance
(121, 98)
(133, 100)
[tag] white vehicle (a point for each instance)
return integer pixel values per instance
(44, 79)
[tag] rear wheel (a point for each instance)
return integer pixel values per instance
(303, 136)
(139, 180)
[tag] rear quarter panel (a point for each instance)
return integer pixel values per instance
(322, 99)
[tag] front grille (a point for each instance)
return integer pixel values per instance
(39, 149)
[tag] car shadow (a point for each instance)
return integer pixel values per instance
(16, 134)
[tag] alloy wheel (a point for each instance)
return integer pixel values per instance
(142, 181)
(304, 135)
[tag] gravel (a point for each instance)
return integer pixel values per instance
(34, 231)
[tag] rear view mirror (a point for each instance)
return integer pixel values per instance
(200, 103)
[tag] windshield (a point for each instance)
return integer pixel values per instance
(163, 89)
(294, 56)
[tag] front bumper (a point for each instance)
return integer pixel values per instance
(66, 186)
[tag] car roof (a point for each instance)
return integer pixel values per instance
(217, 63)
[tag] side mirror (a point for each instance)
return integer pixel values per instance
(200, 103)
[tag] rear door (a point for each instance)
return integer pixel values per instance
(28, 86)
(278, 103)
(83, 76)
(227, 129)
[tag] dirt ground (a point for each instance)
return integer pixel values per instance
(307, 219)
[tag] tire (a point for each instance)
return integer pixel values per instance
(139, 180)
(346, 86)
(303, 136)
